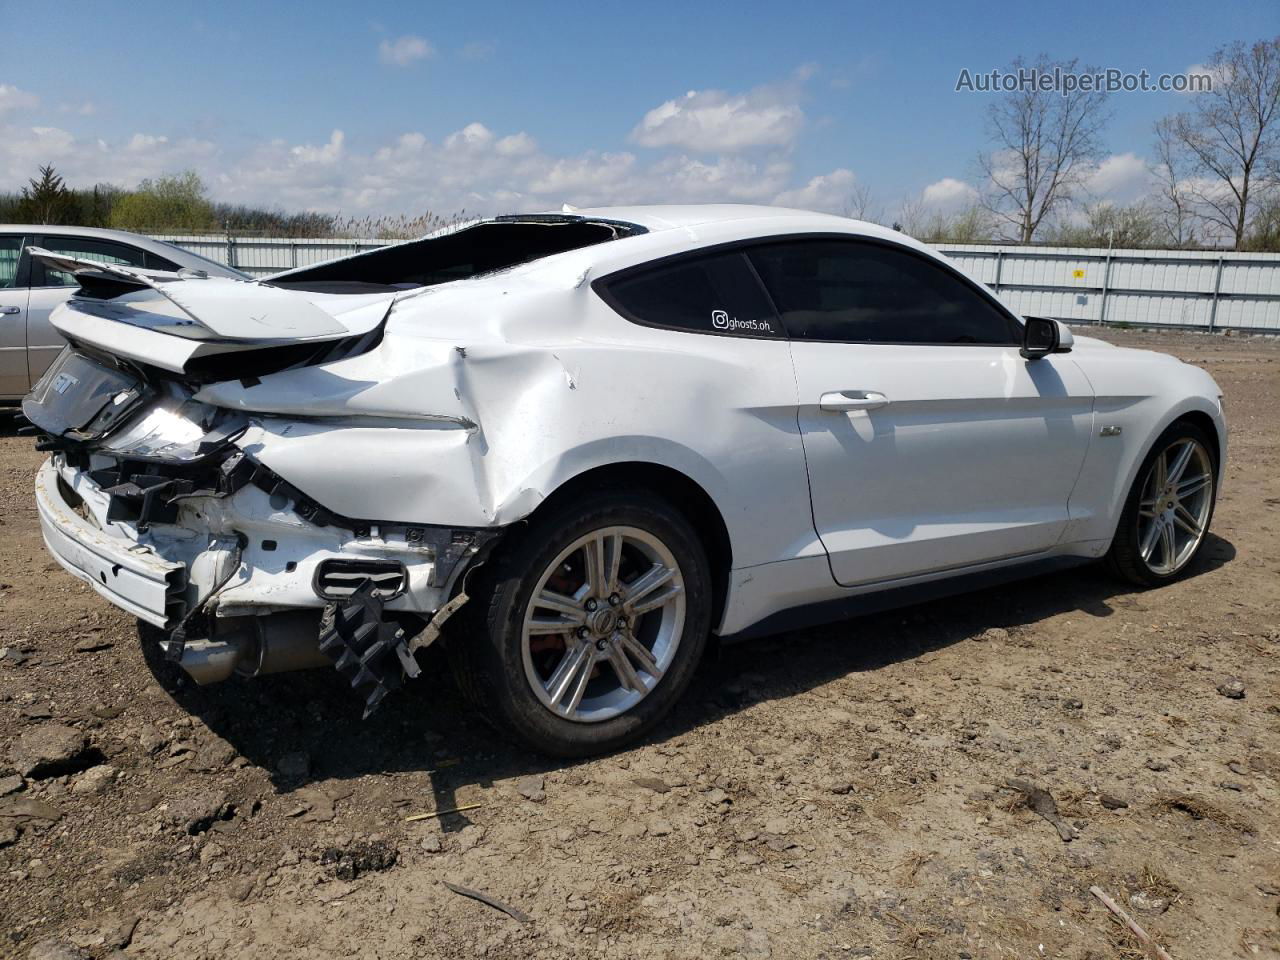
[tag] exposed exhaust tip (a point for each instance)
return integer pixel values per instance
(207, 661)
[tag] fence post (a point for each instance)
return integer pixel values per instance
(1106, 282)
(1217, 288)
(231, 251)
(999, 268)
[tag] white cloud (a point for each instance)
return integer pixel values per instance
(1121, 178)
(828, 192)
(86, 161)
(516, 145)
(712, 121)
(86, 108)
(948, 195)
(405, 50)
(11, 98)
(328, 153)
(477, 168)
(474, 136)
(1218, 75)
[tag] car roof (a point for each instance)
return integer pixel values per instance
(655, 217)
(671, 226)
(170, 251)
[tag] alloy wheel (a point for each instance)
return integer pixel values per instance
(1175, 504)
(603, 624)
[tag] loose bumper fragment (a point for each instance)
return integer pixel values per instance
(369, 651)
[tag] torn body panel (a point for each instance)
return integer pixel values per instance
(247, 554)
(486, 396)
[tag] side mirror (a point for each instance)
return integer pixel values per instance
(1042, 336)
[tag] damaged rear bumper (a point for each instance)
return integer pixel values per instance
(133, 577)
(250, 553)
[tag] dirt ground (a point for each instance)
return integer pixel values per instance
(840, 792)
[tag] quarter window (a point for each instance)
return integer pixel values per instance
(89, 249)
(716, 294)
(857, 292)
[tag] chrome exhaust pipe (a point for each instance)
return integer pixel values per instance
(256, 646)
(283, 642)
(208, 661)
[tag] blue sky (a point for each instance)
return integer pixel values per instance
(399, 107)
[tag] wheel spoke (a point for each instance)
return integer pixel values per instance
(1149, 540)
(565, 606)
(595, 554)
(627, 675)
(641, 654)
(650, 580)
(1183, 518)
(579, 688)
(612, 561)
(1168, 545)
(1180, 462)
(1192, 485)
(558, 624)
(655, 599)
(574, 665)
(1160, 474)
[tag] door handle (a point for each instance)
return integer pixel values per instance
(6, 311)
(844, 400)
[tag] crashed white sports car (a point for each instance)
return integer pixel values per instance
(588, 441)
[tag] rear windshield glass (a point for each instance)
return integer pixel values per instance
(482, 248)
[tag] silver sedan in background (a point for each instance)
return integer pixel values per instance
(29, 290)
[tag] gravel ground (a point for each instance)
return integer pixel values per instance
(840, 792)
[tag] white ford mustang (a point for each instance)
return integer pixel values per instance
(590, 440)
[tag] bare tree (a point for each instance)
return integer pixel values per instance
(861, 205)
(1136, 226)
(972, 224)
(1176, 203)
(913, 218)
(1045, 144)
(1231, 136)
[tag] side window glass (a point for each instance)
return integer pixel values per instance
(10, 251)
(157, 262)
(87, 248)
(857, 292)
(716, 294)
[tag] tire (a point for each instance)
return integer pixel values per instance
(1129, 556)
(509, 646)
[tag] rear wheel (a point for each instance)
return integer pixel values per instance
(588, 627)
(1169, 508)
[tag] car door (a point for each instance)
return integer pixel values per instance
(13, 314)
(50, 287)
(931, 443)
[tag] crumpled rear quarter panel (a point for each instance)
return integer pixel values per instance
(485, 396)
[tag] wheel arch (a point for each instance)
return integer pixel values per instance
(682, 491)
(1206, 423)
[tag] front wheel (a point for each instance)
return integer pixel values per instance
(589, 625)
(1167, 513)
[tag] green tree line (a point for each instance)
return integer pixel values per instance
(179, 204)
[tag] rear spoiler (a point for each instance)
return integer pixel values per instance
(170, 319)
(195, 306)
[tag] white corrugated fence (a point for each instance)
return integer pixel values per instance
(1203, 290)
